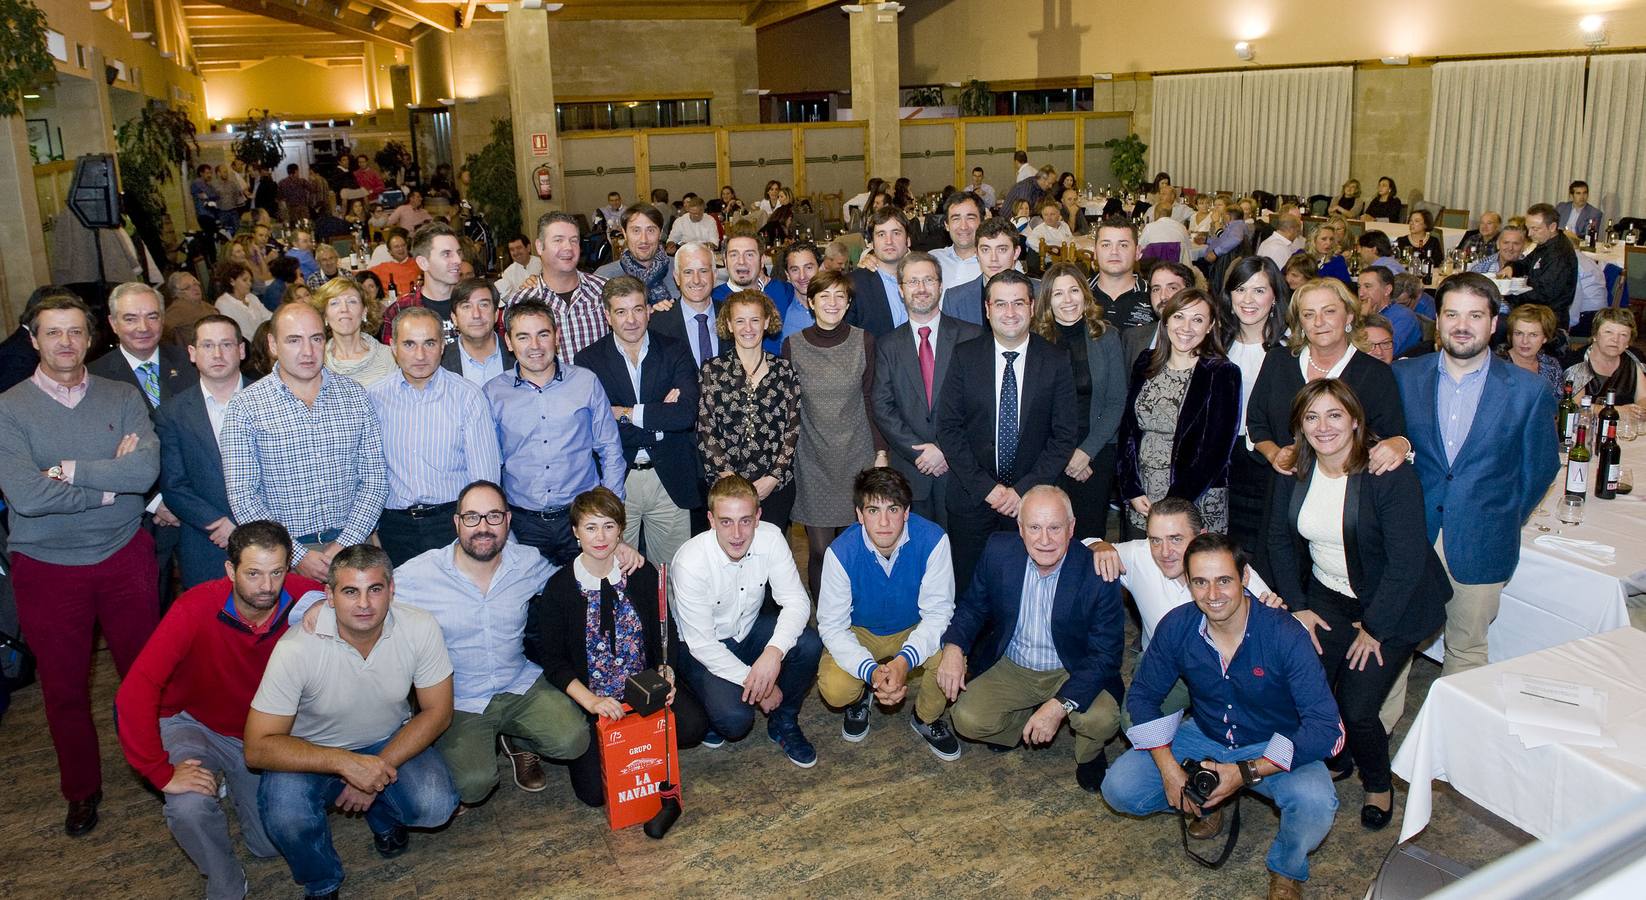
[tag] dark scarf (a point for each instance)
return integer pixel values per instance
(655, 275)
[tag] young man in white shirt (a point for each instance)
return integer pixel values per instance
(693, 226)
(736, 657)
(522, 265)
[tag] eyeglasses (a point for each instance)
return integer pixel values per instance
(1375, 345)
(471, 519)
(921, 282)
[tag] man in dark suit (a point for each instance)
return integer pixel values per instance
(652, 384)
(264, 193)
(692, 320)
(998, 247)
(18, 358)
(478, 354)
(191, 465)
(1483, 475)
(911, 364)
(1551, 269)
(1041, 635)
(877, 305)
(159, 372)
(1006, 420)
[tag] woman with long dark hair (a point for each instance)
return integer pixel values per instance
(1254, 293)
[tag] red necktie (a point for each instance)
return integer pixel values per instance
(928, 362)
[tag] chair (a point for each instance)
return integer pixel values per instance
(1434, 210)
(1631, 222)
(1319, 204)
(1356, 228)
(1454, 218)
(1171, 251)
(1264, 200)
(343, 246)
(1634, 269)
(828, 209)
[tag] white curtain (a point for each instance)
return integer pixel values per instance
(1614, 120)
(1294, 130)
(1195, 122)
(1504, 134)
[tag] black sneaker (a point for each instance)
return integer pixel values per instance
(713, 740)
(1089, 775)
(391, 843)
(856, 725)
(786, 734)
(942, 742)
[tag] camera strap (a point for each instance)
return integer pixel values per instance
(1228, 842)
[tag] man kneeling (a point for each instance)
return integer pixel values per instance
(331, 723)
(886, 596)
(1055, 633)
(1261, 714)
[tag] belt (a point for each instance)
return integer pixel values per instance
(319, 537)
(641, 466)
(426, 510)
(553, 512)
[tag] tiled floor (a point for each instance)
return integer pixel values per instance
(880, 817)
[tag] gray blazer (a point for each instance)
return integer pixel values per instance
(1105, 359)
(900, 407)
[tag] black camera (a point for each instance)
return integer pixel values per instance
(1203, 781)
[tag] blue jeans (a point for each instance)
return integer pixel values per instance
(723, 700)
(1305, 795)
(293, 806)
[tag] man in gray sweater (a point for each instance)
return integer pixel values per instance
(77, 453)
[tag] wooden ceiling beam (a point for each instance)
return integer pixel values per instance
(350, 23)
(774, 12)
(410, 11)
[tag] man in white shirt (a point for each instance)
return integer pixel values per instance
(736, 657)
(1591, 289)
(523, 264)
(693, 226)
(958, 261)
(611, 213)
(982, 190)
(885, 599)
(1286, 240)
(1024, 168)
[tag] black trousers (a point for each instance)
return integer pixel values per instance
(406, 533)
(1090, 498)
(1251, 480)
(549, 532)
(970, 524)
(1360, 694)
(690, 724)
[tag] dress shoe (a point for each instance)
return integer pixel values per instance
(528, 766)
(1375, 819)
(1089, 775)
(1283, 888)
(82, 817)
(1207, 827)
(391, 843)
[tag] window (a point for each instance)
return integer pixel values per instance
(617, 115)
(1033, 103)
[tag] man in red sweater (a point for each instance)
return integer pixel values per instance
(182, 707)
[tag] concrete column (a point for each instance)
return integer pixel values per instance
(531, 107)
(23, 266)
(875, 81)
(432, 67)
(368, 72)
(400, 88)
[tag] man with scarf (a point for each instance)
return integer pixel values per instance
(643, 256)
(573, 295)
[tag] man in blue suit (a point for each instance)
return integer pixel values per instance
(1576, 216)
(651, 381)
(1043, 635)
(1482, 431)
(191, 466)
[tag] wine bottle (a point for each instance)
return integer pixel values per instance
(1608, 466)
(1577, 464)
(1566, 419)
(1606, 423)
(393, 292)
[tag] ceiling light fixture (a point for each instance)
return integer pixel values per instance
(1594, 31)
(1400, 60)
(1245, 51)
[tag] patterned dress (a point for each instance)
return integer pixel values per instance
(837, 439)
(613, 656)
(1158, 403)
(750, 429)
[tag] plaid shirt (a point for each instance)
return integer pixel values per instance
(415, 298)
(582, 321)
(310, 469)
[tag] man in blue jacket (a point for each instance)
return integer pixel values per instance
(1484, 444)
(1043, 635)
(1261, 714)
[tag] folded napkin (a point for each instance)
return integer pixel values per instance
(1589, 551)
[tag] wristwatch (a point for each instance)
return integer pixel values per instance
(1248, 772)
(55, 473)
(1069, 706)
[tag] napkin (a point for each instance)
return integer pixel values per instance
(1589, 551)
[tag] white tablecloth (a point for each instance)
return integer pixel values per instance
(1556, 596)
(1461, 735)
(1449, 237)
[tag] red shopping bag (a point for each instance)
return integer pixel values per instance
(633, 751)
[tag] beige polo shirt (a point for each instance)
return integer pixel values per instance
(341, 699)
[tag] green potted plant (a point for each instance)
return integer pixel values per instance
(151, 148)
(392, 160)
(24, 59)
(976, 99)
(929, 95)
(492, 189)
(261, 142)
(1128, 160)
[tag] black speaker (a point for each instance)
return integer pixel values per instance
(111, 74)
(94, 195)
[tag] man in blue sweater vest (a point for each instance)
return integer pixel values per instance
(885, 599)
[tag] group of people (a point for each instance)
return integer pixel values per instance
(380, 517)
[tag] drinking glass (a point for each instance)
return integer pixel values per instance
(1627, 428)
(1571, 510)
(1625, 480)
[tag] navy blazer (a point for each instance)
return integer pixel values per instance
(1402, 601)
(668, 366)
(871, 309)
(1207, 423)
(191, 477)
(177, 374)
(1501, 473)
(899, 396)
(1088, 621)
(1048, 426)
(965, 302)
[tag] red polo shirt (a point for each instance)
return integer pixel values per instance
(203, 660)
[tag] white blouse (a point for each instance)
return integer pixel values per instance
(1320, 522)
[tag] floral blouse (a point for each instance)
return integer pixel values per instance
(749, 429)
(610, 662)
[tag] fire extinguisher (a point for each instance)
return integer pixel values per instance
(543, 178)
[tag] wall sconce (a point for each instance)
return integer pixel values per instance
(1400, 60)
(1245, 51)
(1594, 31)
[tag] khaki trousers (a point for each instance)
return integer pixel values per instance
(839, 687)
(645, 502)
(996, 706)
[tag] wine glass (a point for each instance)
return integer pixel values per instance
(1627, 428)
(1625, 479)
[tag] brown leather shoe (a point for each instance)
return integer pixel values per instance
(1208, 827)
(1283, 888)
(82, 817)
(528, 768)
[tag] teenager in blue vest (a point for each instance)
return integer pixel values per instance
(884, 601)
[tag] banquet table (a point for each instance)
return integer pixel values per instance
(1449, 237)
(1461, 735)
(1558, 594)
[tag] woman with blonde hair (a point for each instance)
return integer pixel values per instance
(1530, 327)
(351, 351)
(1607, 366)
(1067, 314)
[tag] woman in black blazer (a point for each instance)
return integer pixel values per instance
(592, 627)
(1066, 313)
(1253, 301)
(1351, 556)
(1181, 414)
